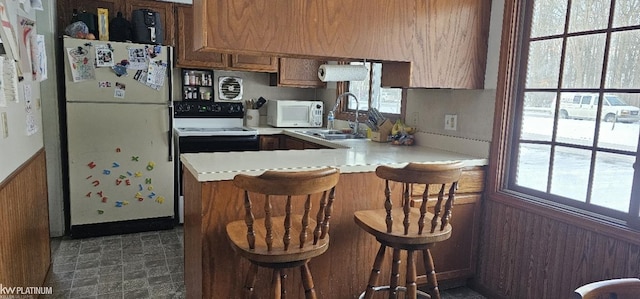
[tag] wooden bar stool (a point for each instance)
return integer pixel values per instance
(619, 288)
(267, 242)
(403, 227)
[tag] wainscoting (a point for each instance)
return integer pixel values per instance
(529, 254)
(24, 225)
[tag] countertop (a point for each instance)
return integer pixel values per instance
(353, 155)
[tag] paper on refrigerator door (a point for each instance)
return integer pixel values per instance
(157, 72)
(81, 65)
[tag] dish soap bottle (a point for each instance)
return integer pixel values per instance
(330, 119)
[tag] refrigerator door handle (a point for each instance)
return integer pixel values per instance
(170, 102)
(170, 134)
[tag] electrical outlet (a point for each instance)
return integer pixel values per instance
(415, 118)
(3, 125)
(451, 122)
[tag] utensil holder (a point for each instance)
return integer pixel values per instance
(252, 118)
(383, 132)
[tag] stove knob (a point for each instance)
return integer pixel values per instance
(234, 108)
(216, 108)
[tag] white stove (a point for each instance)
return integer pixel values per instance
(211, 127)
(210, 119)
(206, 127)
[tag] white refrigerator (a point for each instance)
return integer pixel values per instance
(118, 135)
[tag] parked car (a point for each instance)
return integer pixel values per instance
(585, 106)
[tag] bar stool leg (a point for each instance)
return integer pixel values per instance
(276, 284)
(412, 287)
(250, 281)
(395, 274)
(307, 282)
(375, 273)
(431, 274)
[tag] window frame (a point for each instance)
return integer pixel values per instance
(344, 113)
(508, 116)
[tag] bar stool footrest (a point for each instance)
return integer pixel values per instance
(421, 294)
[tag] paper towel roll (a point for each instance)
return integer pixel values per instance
(342, 72)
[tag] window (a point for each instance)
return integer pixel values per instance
(369, 92)
(566, 146)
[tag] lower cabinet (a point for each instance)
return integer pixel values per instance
(455, 259)
(293, 143)
(284, 142)
(270, 142)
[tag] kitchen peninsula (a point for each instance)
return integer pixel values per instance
(212, 269)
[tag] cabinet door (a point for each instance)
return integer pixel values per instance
(291, 143)
(455, 258)
(254, 63)
(165, 9)
(311, 145)
(296, 72)
(269, 142)
(187, 57)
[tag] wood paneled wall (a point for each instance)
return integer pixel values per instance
(525, 254)
(24, 225)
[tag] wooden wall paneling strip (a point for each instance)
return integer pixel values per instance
(597, 267)
(559, 248)
(493, 245)
(517, 228)
(569, 253)
(506, 243)
(618, 259)
(633, 266)
(524, 258)
(544, 255)
(485, 230)
(536, 260)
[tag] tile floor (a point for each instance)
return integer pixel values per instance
(136, 266)
(140, 265)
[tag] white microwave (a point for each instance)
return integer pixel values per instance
(292, 113)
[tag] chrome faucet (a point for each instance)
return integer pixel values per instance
(347, 94)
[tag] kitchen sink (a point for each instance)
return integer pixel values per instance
(329, 134)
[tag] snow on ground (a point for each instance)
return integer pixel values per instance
(613, 172)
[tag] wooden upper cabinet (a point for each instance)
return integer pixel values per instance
(296, 72)
(165, 9)
(436, 43)
(187, 56)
